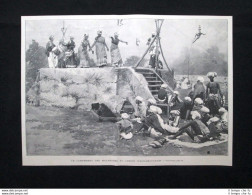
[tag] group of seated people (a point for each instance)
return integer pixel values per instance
(198, 124)
(192, 118)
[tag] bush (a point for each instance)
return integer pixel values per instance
(132, 61)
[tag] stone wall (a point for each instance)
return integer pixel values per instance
(78, 88)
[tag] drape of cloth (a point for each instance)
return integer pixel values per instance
(84, 57)
(101, 54)
(52, 60)
(115, 54)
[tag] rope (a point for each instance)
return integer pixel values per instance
(163, 56)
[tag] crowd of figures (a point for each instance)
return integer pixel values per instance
(63, 55)
(200, 115)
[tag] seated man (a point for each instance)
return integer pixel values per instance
(174, 118)
(199, 129)
(175, 101)
(140, 110)
(154, 121)
(223, 123)
(198, 104)
(209, 122)
(162, 94)
(186, 108)
(204, 111)
(125, 127)
(151, 102)
(212, 124)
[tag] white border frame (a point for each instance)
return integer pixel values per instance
(129, 160)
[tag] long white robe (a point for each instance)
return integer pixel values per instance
(52, 60)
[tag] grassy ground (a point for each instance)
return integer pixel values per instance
(60, 131)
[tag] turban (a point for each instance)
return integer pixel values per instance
(164, 86)
(175, 112)
(124, 115)
(139, 98)
(198, 101)
(201, 79)
(214, 119)
(204, 109)
(211, 74)
(188, 99)
(222, 109)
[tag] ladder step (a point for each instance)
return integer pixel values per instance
(154, 81)
(154, 91)
(148, 73)
(154, 85)
(151, 78)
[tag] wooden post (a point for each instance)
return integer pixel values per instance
(145, 52)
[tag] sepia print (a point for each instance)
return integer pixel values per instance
(127, 90)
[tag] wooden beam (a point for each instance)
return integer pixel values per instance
(145, 52)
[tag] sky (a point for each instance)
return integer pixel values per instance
(176, 34)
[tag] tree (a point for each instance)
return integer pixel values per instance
(201, 62)
(132, 61)
(35, 59)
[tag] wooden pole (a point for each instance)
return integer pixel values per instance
(145, 52)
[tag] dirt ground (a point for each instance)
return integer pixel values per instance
(60, 131)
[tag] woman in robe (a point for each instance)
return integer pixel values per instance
(100, 46)
(52, 58)
(116, 59)
(83, 52)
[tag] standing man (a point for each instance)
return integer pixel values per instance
(52, 58)
(213, 94)
(199, 90)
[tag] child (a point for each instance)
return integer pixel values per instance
(125, 127)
